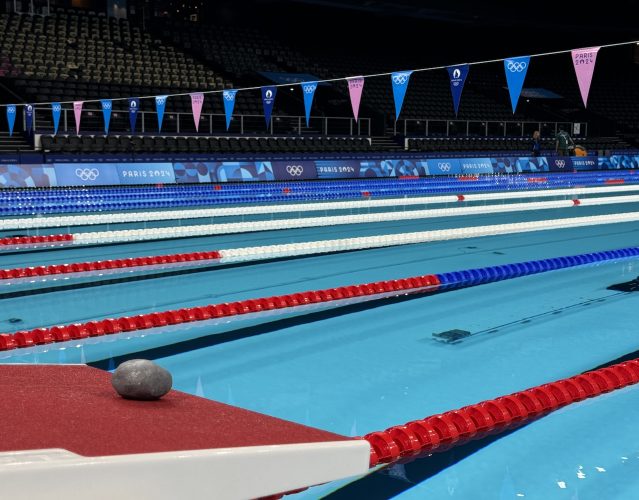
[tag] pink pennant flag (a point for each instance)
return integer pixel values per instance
(77, 112)
(197, 100)
(584, 62)
(355, 88)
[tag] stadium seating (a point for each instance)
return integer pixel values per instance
(195, 145)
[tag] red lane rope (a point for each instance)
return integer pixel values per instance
(78, 331)
(28, 240)
(455, 427)
(79, 267)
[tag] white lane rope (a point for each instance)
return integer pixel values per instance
(147, 234)
(163, 215)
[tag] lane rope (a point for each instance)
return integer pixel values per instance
(149, 234)
(119, 218)
(288, 303)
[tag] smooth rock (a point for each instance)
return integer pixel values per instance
(141, 379)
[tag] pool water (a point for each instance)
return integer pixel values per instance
(359, 369)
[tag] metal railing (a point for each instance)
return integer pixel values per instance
(210, 124)
(476, 128)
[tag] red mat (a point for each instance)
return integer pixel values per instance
(74, 407)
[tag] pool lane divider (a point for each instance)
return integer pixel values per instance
(150, 234)
(163, 215)
(456, 427)
(80, 270)
(288, 303)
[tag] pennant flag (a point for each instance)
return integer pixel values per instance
(134, 105)
(400, 84)
(77, 112)
(457, 75)
(584, 62)
(355, 88)
(197, 100)
(28, 115)
(11, 117)
(516, 69)
(107, 105)
(160, 104)
(309, 89)
(229, 104)
(268, 100)
(56, 111)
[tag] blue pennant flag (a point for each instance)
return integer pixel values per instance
(400, 84)
(134, 105)
(268, 100)
(107, 106)
(11, 117)
(516, 69)
(28, 118)
(229, 103)
(160, 104)
(308, 88)
(457, 75)
(56, 111)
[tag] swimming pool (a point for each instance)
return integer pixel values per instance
(362, 368)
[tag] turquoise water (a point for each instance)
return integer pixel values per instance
(357, 370)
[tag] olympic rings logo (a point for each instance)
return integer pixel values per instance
(309, 89)
(295, 170)
(57, 108)
(87, 174)
(11, 110)
(560, 163)
(106, 105)
(444, 167)
(160, 100)
(516, 67)
(400, 78)
(229, 96)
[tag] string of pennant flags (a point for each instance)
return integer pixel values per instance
(515, 68)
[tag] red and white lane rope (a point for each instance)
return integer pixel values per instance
(149, 234)
(247, 254)
(150, 216)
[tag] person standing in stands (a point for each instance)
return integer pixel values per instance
(565, 144)
(536, 144)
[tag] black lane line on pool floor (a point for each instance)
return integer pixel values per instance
(162, 274)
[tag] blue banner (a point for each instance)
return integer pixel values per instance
(11, 117)
(134, 106)
(308, 89)
(28, 118)
(476, 165)
(457, 75)
(400, 84)
(268, 100)
(107, 106)
(146, 173)
(228, 96)
(86, 174)
(516, 69)
(443, 166)
(294, 170)
(56, 111)
(160, 104)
